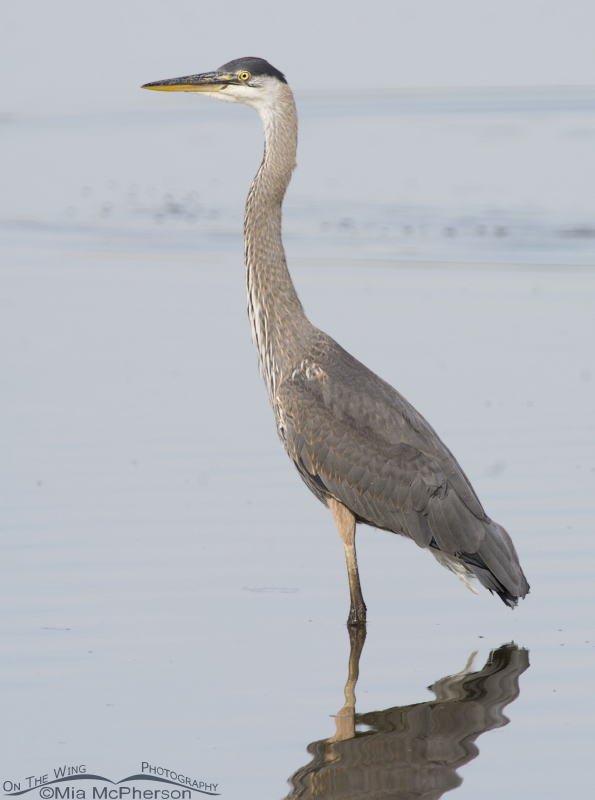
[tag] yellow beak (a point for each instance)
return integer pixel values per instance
(207, 82)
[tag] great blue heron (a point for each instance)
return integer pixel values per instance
(359, 446)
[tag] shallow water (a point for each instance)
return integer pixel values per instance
(495, 175)
(174, 596)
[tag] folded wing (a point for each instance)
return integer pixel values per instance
(372, 451)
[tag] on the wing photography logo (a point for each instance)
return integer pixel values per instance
(75, 783)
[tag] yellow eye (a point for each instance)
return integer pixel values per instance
(243, 76)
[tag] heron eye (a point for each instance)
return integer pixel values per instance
(243, 76)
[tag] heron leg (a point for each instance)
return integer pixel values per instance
(345, 522)
(345, 718)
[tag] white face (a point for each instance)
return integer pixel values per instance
(263, 92)
(259, 91)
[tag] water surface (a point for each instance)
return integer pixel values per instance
(172, 593)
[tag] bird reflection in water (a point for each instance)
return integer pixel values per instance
(411, 751)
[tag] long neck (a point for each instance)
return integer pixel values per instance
(279, 325)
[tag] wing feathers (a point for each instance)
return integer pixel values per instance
(414, 529)
(393, 484)
(453, 526)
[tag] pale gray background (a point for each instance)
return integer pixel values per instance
(145, 498)
(74, 54)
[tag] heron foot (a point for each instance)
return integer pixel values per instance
(357, 615)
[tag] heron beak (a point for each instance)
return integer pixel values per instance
(207, 82)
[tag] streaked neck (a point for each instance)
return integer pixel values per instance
(279, 326)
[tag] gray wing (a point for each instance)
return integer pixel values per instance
(352, 436)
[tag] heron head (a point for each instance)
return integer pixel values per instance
(252, 81)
